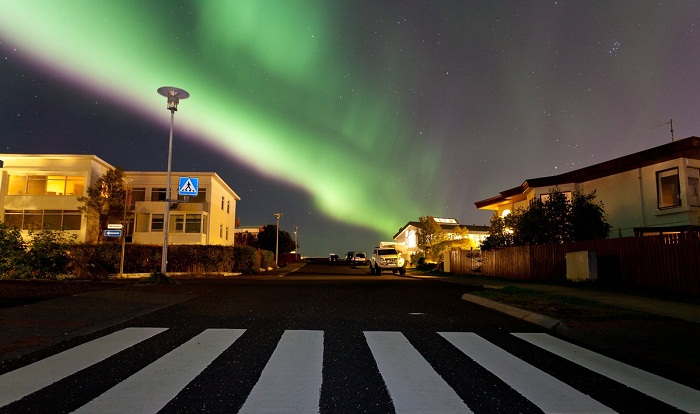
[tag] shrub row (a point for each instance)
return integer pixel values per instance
(195, 259)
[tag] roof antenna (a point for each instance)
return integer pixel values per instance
(670, 122)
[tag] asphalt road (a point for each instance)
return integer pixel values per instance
(329, 339)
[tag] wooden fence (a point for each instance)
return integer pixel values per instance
(670, 262)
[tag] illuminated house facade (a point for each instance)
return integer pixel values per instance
(407, 236)
(650, 192)
(41, 192)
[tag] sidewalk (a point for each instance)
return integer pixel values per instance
(679, 310)
(667, 341)
(29, 328)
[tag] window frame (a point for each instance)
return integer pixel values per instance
(693, 189)
(662, 182)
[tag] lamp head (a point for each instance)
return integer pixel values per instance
(174, 95)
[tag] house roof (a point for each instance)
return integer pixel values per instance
(684, 148)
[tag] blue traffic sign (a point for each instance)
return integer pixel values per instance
(188, 186)
(113, 233)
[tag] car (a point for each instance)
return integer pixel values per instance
(333, 257)
(359, 257)
(387, 258)
(349, 255)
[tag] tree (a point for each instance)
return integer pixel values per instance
(554, 220)
(588, 218)
(267, 239)
(104, 203)
(245, 239)
(430, 234)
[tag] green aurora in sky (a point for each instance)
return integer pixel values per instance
(272, 83)
(351, 117)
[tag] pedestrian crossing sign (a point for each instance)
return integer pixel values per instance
(188, 186)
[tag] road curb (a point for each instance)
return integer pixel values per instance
(525, 315)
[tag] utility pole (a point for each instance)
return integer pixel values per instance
(277, 239)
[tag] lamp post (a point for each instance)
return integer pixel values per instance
(174, 95)
(125, 227)
(296, 242)
(277, 239)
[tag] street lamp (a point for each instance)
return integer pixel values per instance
(125, 227)
(174, 95)
(296, 241)
(277, 239)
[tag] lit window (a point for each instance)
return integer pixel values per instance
(75, 185)
(668, 188)
(17, 185)
(36, 184)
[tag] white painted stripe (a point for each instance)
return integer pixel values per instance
(413, 384)
(291, 380)
(150, 389)
(21, 382)
(672, 393)
(543, 390)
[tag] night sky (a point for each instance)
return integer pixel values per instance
(350, 117)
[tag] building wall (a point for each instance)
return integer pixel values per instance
(89, 167)
(630, 199)
(214, 218)
(138, 217)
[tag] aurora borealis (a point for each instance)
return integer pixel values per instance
(350, 117)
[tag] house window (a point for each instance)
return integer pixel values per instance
(668, 188)
(179, 223)
(158, 194)
(43, 219)
(694, 187)
(222, 203)
(201, 196)
(17, 185)
(71, 220)
(45, 185)
(226, 232)
(193, 223)
(157, 222)
(228, 207)
(136, 194)
(545, 197)
(52, 219)
(75, 185)
(221, 230)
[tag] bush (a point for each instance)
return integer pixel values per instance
(12, 250)
(267, 259)
(44, 256)
(246, 259)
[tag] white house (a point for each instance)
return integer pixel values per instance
(407, 236)
(649, 192)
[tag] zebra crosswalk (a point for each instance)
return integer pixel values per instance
(292, 377)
